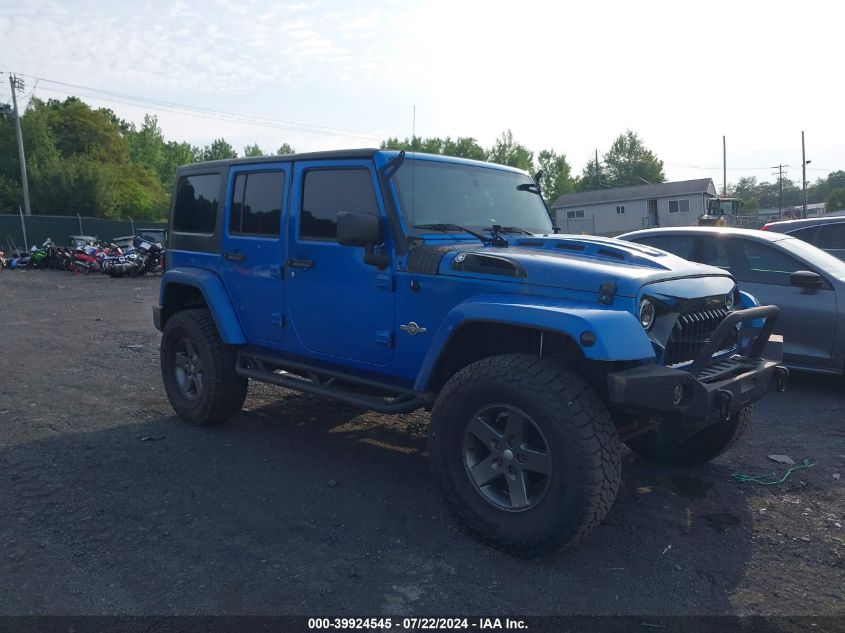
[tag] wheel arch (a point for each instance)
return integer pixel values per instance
(185, 289)
(493, 325)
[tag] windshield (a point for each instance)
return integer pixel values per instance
(722, 207)
(476, 197)
(816, 256)
(151, 235)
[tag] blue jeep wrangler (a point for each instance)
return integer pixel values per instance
(394, 282)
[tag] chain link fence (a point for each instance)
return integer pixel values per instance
(26, 230)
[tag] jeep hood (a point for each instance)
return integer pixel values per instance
(570, 261)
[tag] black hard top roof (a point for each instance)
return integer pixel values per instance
(366, 153)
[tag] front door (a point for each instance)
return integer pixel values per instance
(253, 248)
(338, 305)
(652, 218)
(807, 318)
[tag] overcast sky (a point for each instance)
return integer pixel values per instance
(568, 76)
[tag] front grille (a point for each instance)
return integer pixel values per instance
(692, 332)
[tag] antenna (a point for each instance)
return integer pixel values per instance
(413, 164)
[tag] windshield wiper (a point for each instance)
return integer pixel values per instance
(496, 240)
(508, 229)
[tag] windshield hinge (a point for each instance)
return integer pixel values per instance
(607, 292)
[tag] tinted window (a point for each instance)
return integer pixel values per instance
(807, 234)
(831, 236)
(715, 253)
(817, 259)
(330, 191)
(681, 245)
(195, 210)
(764, 264)
(257, 203)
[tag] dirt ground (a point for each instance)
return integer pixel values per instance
(110, 505)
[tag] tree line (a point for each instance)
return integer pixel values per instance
(767, 195)
(92, 162)
(627, 162)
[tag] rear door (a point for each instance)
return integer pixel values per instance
(253, 248)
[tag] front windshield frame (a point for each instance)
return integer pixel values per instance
(814, 256)
(540, 223)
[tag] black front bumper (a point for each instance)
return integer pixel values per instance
(707, 391)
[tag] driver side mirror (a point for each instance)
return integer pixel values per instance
(358, 229)
(806, 279)
(362, 229)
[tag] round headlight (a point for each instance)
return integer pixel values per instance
(647, 313)
(729, 301)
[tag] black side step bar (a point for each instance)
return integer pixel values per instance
(323, 382)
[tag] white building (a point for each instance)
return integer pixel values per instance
(813, 210)
(619, 209)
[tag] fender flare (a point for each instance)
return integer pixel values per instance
(747, 300)
(619, 335)
(216, 298)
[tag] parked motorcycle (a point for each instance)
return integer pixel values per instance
(85, 260)
(127, 265)
(151, 253)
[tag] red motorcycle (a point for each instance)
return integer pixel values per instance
(85, 260)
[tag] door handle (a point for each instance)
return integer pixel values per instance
(301, 263)
(234, 257)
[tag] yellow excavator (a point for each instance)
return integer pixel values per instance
(721, 212)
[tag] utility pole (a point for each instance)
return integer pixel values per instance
(596, 171)
(804, 162)
(724, 168)
(17, 85)
(780, 188)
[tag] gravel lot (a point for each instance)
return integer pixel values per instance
(110, 505)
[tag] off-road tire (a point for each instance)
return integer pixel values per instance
(223, 391)
(702, 447)
(582, 445)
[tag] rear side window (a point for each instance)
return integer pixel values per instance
(681, 245)
(256, 207)
(831, 236)
(807, 234)
(326, 193)
(195, 210)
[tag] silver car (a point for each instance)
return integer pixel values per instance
(806, 283)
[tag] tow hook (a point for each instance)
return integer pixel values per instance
(725, 399)
(782, 373)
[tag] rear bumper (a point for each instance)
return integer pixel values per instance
(157, 318)
(707, 391)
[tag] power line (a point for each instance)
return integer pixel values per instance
(235, 118)
(714, 168)
(177, 108)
